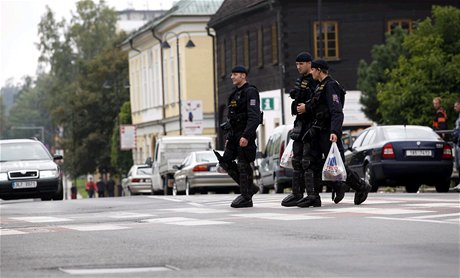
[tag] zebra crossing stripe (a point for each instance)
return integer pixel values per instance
(96, 227)
(41, 219)
(280, 216)
(7, 232)
(198, 210)
(184, 221)
(378, 211)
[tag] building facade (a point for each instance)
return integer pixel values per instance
(172, 86)
(266, 36)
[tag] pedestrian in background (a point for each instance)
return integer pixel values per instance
(301, 94)
(110, 186)
(456, 141)
(243, 118)
(326, 106)
(440, 118)
(101, 187)
(90, 187)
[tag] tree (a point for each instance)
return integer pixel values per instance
(384, 58)
(431, 68)
(81, 56)
(121, 160)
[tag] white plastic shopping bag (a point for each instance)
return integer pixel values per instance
(286, 159)
(334, 169)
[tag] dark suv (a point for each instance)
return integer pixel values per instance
(28, 170)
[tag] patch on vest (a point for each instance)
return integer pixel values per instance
(335, 98)
(252, 102)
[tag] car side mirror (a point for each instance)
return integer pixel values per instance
(259, 155)
(57, 157)
(149, 161)
(177, 167)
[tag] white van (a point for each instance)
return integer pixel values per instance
(271, 174)
(170, 151)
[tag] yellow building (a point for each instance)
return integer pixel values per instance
(171, 75)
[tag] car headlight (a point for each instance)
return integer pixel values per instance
(3, 176)
(49, 174)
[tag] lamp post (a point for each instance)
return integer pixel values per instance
(114, 84)
(165, 45)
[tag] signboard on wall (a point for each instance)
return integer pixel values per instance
(192, 117)
(127, 137)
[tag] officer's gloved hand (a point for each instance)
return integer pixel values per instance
(293, 93)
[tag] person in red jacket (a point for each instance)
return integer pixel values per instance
(90, 187)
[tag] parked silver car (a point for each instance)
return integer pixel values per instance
(198, 172)
(138, 181)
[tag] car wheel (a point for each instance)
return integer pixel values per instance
(278, 186)
(59, 196)
(369, 178)
(174, 189)
(443, 186)
(46, 198)
(188, 188)
(412, 188)
(263, 189)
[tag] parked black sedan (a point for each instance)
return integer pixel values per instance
(401, 155)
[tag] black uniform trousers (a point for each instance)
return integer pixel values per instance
(320, 146)
(242, 171)
(302, 175)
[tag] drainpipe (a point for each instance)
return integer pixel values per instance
(216, 116)
(132, 47)
(162, 82)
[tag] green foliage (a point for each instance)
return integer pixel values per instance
(81, 56)
(431, 68)
(384, 57)
(121, 160)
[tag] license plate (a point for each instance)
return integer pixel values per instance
(24, 184)
(212, 169)
(418, 153)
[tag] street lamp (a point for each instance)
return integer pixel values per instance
(165, 45)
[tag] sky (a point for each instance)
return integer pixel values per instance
(19, 26)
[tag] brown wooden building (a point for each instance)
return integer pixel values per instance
(266, 36)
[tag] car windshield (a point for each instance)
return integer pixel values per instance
(395, 133)
(144, 171)
(23, 151)
(206, 157)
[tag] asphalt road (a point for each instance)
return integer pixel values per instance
(390, 235)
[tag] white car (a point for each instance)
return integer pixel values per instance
(138, 181)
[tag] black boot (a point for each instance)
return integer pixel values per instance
(310, 201)
(361, 194)
(360, 186)
(242, 202)
(291, 200)
(338, 192)
(298, 186)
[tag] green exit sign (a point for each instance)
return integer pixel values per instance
(268, 103)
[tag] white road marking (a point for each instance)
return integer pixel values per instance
(184, 221)
(436, 216)
(199, 222)
(95, 227)
(379, 211)
(41, 219)
(124, 215)
(92, 271)
(7, 232)
(167, 220)
(434, 205)
(413, 220)
(280, 216)
(166, 199)
(198, 210)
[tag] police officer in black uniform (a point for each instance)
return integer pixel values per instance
(243, 119)
(326, 106)
(301, 94)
